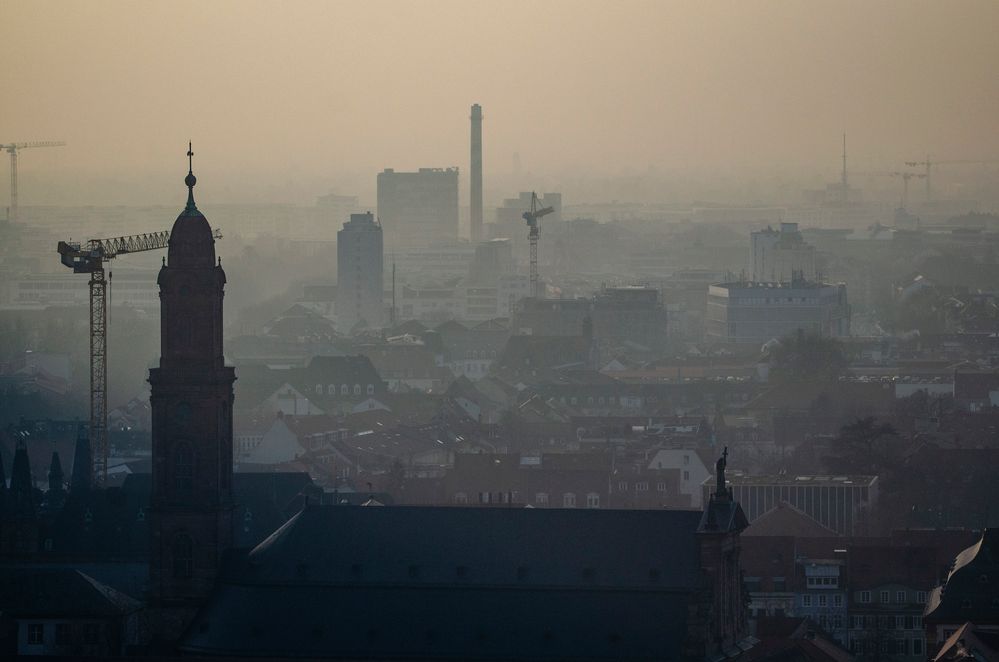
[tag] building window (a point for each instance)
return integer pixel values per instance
(865, 597)
(917, 646)
(642, 487)
(183, 468)
(823, 601)
(592, 500)
(622, 486)
(344, 390)
(64, 634)
(806, 601)
(686, 475)
(460, 497)
(858, 622)
(357, 389)
(900, 597)
(319, 389)
(91, 633)
(885, 597)
(686, 460)
(371, 389)
(837, 600)
(331, 389)
(36, 633)
(921, 597)
(568, 500)
(661, 486)
(183, 556)
(917, 622)
(541, 498)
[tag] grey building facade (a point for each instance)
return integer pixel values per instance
(418, 208)
(754, 313)
(359, 252)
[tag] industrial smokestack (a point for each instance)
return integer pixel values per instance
(476, 186)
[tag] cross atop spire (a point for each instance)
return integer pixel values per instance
(190, 180)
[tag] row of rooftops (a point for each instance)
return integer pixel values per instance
(737, 478)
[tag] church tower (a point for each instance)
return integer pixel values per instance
(191, 401)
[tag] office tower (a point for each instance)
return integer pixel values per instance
(418, 208)
(359, 273)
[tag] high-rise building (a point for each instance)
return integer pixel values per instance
(191, 401)
(475, 187)
(418, 208)
(781, 256)
(359, 267)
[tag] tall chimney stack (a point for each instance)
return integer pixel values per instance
(476, 187)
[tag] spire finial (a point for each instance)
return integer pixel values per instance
(190, 180)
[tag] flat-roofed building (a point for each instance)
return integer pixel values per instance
(359, 273)
(418, 208)
(754, 313)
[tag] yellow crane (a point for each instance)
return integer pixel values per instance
(534, 233)
(12, 149)
(89, 258)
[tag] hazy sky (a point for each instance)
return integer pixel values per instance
(278, 93)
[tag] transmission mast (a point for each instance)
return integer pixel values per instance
(534, 233)
(12, 149)
(89, 259)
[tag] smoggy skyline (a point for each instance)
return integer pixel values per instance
(289, 99)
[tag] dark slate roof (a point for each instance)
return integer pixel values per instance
(459, 583)
(264, 501)
(53, 592)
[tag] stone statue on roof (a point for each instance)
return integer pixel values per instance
(720, 472)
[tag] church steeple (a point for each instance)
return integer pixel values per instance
(190, 180)
(80, 478)
(191, 400)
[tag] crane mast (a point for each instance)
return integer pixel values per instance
(534, 233)
(12, 149)
(89, 258)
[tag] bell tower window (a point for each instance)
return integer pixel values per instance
(183, 469)
(183, 556)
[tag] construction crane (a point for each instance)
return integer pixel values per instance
(928, 165)
(89, 258)
(12, 149)
(532, 217)
(906, 176)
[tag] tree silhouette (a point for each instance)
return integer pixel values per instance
(808, 357)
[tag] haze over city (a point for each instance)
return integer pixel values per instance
(286, 101)
(510, 331)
